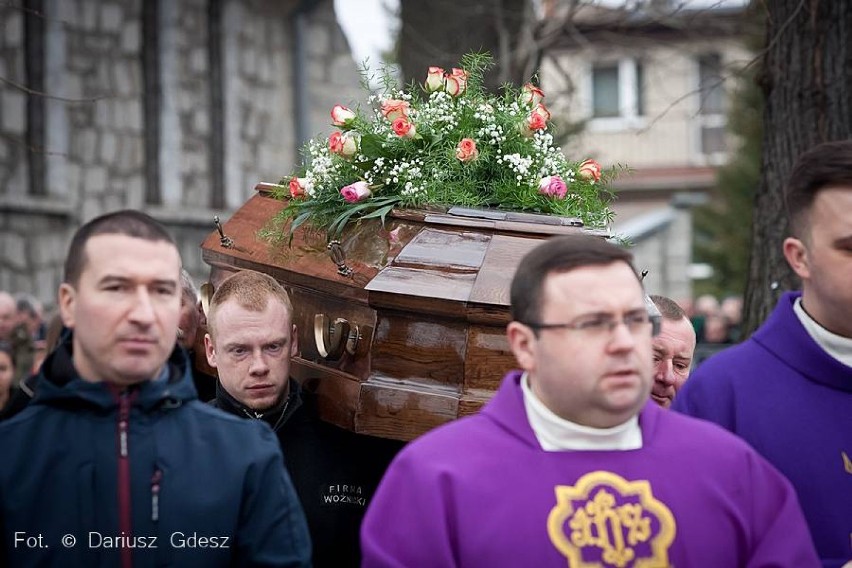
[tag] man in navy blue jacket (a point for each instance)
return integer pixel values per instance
(116, 462)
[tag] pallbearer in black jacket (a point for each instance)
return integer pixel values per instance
(251, 339)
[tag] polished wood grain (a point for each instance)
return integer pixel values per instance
(396, 409)
(428, 290)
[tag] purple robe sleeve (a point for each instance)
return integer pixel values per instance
(780, 535)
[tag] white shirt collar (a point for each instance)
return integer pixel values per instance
(835, 345)
(555, 433)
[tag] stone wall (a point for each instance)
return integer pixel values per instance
(13, 102)
(95, 119)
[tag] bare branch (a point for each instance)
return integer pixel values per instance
(29, 91)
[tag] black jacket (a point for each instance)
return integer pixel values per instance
(335, 471)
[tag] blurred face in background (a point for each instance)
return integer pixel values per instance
(7, 372)
(188, 323)
(674, 348)
(8, 315)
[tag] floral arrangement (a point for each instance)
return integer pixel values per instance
(447, 142)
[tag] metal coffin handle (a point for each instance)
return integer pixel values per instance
(333, 338)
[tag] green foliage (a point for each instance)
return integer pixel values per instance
(723, 227)
(422, 167)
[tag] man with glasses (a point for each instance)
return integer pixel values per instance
(570, 463)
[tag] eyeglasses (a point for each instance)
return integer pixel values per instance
(603, 324)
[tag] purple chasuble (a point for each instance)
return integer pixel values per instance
(480, 491)
(792, 401)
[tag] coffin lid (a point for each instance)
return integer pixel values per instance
(428, 293)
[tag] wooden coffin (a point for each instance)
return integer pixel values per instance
(401, 327)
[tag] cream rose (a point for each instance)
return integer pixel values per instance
(434, 79)
(590, 170)
(456, 82)
(341, 116)
(344, 145)
(532, 95)
(299, 186)
(395, 108)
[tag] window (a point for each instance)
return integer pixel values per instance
(617, 90)
(710, 85)
(712, 105)
(605, 91)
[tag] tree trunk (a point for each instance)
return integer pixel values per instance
(438, 33)
(808, 89)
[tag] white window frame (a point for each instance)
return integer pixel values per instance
(700, 121)
(628, 100)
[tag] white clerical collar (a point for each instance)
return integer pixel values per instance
(835, 345)
(555, 433)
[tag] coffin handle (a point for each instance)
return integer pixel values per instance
(333, 338)
(338, 256)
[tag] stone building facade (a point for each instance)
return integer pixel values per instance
(175, 107)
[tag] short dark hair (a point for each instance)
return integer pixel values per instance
(669, 309)
(825, 165)
(558, 254)
(129, 222)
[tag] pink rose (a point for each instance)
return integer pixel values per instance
(434, 79)
(532, 95)
(466, 150)
(355, 192)
(341, 116)
(590, 170)
(553, 186)
(298, 187)
(395, 108)
(456, 82)
(403, 128)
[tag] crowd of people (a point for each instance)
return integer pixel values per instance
(141, 429)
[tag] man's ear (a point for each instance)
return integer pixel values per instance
(523, 343)
(294, 341)
(209, 350)
(66, 299)
(796, 254)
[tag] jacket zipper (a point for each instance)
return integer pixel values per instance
(124, 515)
(156, 479)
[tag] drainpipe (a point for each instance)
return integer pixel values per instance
(301, 106)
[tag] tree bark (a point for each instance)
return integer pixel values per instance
(808, 89)
(439, 32)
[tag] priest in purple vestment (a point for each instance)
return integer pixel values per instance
(570, 464)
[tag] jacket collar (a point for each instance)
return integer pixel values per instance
(276, 416)
(60, 384)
